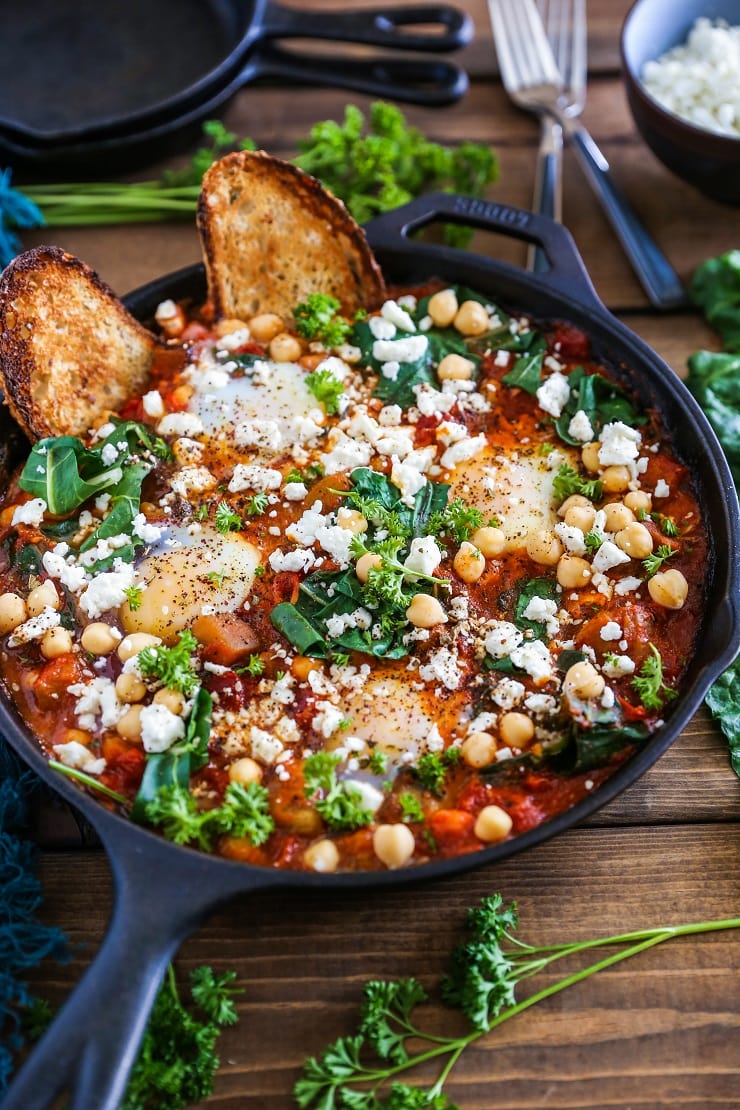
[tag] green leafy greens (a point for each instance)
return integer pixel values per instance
(368, 1070)
(602, 401)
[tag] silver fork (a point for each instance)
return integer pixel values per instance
(528, 64)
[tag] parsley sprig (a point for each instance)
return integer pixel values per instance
(655, 560)
(339, 803)
(173, 666)
(244, 813)
(568, 481)
(226, 520)
(649, 684)
(326, 388)
(369, 1069)
(457, 519)
(316, 318)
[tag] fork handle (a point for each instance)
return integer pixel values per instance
(548, 180)
(657, 277)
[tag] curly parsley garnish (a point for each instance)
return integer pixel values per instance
(257, 504)
(316, 318)
(226, 520)
(655, 561)
(326, 388)
(568, 481)
(458, 520)
(134, 595)
(173, 666)
(649, 684)
(339, 803)
(244, 813)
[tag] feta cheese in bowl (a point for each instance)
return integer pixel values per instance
(682, 77)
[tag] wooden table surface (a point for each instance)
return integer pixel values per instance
(659, 1031)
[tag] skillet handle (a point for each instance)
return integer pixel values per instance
(431, 83)
(372, 26)
(567, 273)
(161, 896)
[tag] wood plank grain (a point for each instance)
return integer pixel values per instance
(654, 1032)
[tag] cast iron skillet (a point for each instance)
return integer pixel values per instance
(162, 891)
(108, 76)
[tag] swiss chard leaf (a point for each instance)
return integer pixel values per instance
(597, 733)
(715, 289)
(125, 499)
(546, 588)
(714, 379)
(174, 767)
(65, 473)
(601, 400)
(400, 390)
(526, 372)
(723, 701)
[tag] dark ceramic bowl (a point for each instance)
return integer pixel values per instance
(709, 161)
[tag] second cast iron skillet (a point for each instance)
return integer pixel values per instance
(162, 891)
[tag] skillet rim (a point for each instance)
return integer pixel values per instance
(190, 281)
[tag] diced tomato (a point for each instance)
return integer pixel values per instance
(570, 342)
(194, 331)
(241, 849)
(285, 586)
(230, 690)
(125, 769)
(452, 830)
(55, 678)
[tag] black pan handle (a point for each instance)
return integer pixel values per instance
(372, 26)
(160, 897)
(430, 83)
(567, 273)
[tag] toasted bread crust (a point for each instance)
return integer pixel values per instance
(271, 234)
(69, 350)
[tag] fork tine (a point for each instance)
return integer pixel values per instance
(524, 54)
(531, 26)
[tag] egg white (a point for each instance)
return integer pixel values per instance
(176, 587)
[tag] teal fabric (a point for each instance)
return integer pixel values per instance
(24, 940)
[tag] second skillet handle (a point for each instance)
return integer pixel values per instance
(93, 1043)
(373, 26)
(567, 274)
(431, 82)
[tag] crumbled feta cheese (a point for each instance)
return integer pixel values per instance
(508, 693)
(409, 349)
(147, 533)
(616, 666)
(283, 690)
(193, 479)
(71, 575)
(372, 798)
(260, 478)
(442, 666)
(308, 427)
(620, 444)
(608, 556)
(300, 559)
(335, 541)
(338, 624)
(543, 609)
(572, 538)
(580, 428)
(407, 479)
(430, 402)
(435, 741)
(390, 370)
(395, 441)
(463, 451)
(607, 698)
(153, 404)
(662, 489)
(502, 638)
(627, 585)
(97, 698)
(295, 491)
(398, 316)
(32, 512)
(390, 416)
(541, 704)
(109, 454)
(235, 339)
(381, 328)
(534, 658)
(78, 758)
(264, 434)
(553, 394)
(180, 424)
(328, 719)
(265, 747)
(346, 454)
(611, 631)
(35, 628)
(424, 556)
(108, 590)
(160, 728)
(501, 359)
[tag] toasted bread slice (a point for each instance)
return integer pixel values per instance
(69, 350)
(271, 234)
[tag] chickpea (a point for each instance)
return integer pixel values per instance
(76, 735)
(469, 563)
(638, 500)
(584, 681)
(618, 516)
(616, 479)
(13, 612)
(455, 368)
(635, 540)
(181, 396)
(244, 771)
(370, 561)
(57, 641)
(425, 612)
(41, 597)
(471, 318)
(590, 457)
(491, 542)
(573, 572)
(129, 725)
(575, 501)
(130, 688)
(322, 856)
(351, 520)
(171, 699)
(579, 517)
(285, 347)
(668, 588)
(479, 749)
(516, 729)
(442, 308)
(99, 638)
(544, 547)
(310, 362)
(228, 326)
(302, 666)
(134, 643)
(265, 327)
(393, 844)
(492, 824)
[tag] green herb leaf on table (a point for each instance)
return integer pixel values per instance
(723, 701)
(714, 379)
(371, 1068)
(715, 289)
